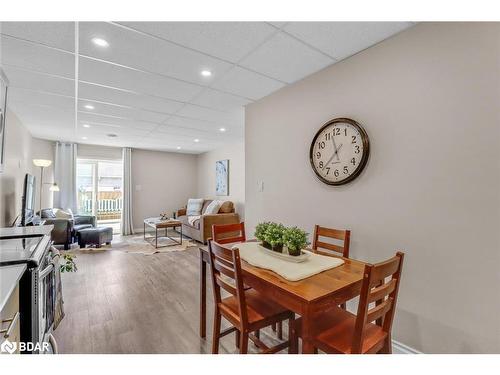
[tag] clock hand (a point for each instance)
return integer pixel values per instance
(335, 153)
(335, 147)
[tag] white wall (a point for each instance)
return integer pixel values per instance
(20, 150)
(99, 152)
(162, 182)
(18, 162)
(43, 149)
(235, 152)
(428, 99)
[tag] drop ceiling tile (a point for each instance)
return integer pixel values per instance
(44, 120)
(122, 133)
(42, 99)
(234, 117)
(230, 41)
(189, 123)
(220, 100)
(137, 50)
(242, 82)
(54, 34)
(36, 57)
(114, 96)
(27, 79)
(191, 134)
(129, 79)
(342, 39)
(286, 59)
(114, 122)
(121, 111)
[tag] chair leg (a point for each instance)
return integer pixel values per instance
(293, 339)
(257, 334)
(243, 342)
(387, 348)
(216, 332)
(237, 338)
(280, 330)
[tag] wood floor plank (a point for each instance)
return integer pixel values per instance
(134, 303)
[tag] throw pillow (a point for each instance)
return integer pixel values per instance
(226, 208)
(213, 207)
(64, 214)
(194, 207)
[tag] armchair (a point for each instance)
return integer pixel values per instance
(66, 229)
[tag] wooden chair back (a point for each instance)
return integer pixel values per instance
(228, 233)
(226, 273)
(377, 289)
(342, 235)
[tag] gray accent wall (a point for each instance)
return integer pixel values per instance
(429, 100)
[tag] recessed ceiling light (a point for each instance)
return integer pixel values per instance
(88, 106)
(100, 42)
(178, 147)
(222, 129)
(84, 138)
(196, 140)
(206, 73)
(86, 125)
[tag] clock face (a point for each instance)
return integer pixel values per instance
(339, 151)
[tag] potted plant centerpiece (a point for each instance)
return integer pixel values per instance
(274, 236)
(295, 239)
(260, 233)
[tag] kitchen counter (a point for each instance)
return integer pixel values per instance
(9, 278)
(31, 231)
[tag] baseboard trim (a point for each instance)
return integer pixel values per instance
(400, 348)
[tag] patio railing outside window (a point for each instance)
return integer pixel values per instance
(109, 204)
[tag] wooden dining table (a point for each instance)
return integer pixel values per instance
(305, 297)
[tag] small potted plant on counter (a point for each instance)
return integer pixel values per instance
(260, 233)
(295, 239)
(274, 236)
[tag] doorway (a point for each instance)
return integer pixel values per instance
(100, 191)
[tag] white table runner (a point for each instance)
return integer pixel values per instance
(252, 253)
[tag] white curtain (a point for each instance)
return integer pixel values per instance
(65, 176)
(127, 222)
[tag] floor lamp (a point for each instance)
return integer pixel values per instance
(43, 163)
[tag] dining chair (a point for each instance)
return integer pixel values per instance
(319, 246)
(228, 233)
(246, 310)
(341, 332)
(342, 235)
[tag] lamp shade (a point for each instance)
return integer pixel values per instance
(54, 187)
(42, 162)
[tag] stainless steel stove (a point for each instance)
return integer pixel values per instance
(36, 287)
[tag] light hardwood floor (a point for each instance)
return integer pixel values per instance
(133, 303)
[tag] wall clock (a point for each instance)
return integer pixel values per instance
(339, 151)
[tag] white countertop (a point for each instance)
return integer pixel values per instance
(9, 277)
(34, 230)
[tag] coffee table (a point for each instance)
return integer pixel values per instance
(157, 223)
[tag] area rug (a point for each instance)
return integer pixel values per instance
(137, 245)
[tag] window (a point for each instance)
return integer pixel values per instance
(100, 191)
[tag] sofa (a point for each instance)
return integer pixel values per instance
(201, 229)
(66, 225)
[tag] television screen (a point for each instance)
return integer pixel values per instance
(28, 204)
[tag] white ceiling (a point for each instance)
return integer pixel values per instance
(146, 86)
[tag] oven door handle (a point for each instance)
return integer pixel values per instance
(43, 274)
